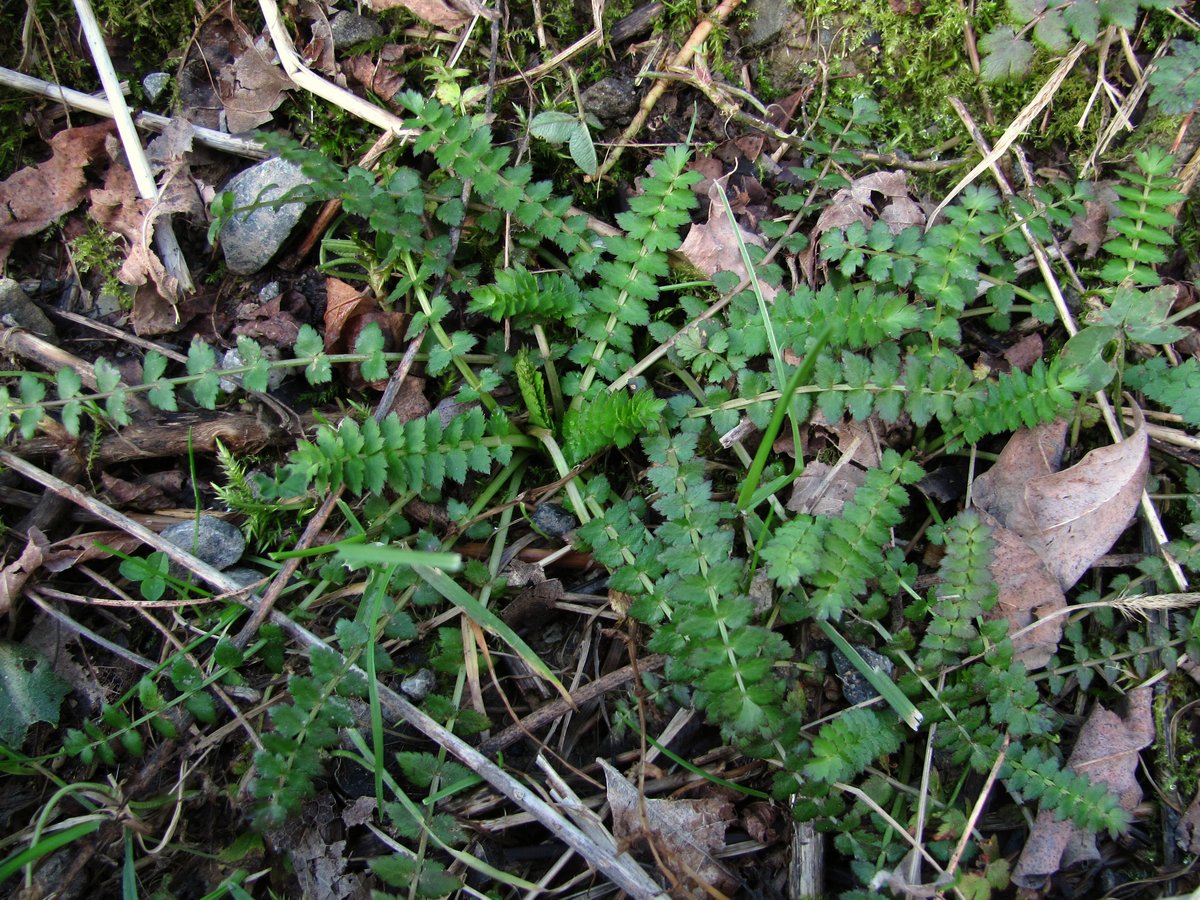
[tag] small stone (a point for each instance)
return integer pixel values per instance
(765, 19)
(232, 359)
(211, 539)
(244, 576)
(419, 685)
(17, 309)
(855, 688)
(154, 84)
(350, 28)
(249, 239)
(552, 520)
(612, 100)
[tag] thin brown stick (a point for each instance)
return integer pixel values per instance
(544, 715)
(682, 58)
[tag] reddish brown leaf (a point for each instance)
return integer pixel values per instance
(378, 75)
(35, 196)
(436, 12)
(1027, 592)
(1106, 751)
(713, 246)
(16, 573)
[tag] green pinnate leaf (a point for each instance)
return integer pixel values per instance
(370, 342)
(257, 375)
(202, 362)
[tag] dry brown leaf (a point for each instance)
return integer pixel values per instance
(82, 548)
(1187, 831)
(713, 246)
(436, 12)
(687, 834)
(318, 53)
(250, 88)
(1025, 352)
(856, 203)
(32, 198)
(807, 496)
(16, 573)
(379, 76)
(1070, 517)
(1026, 592)
(348, 311)
(1106, 752)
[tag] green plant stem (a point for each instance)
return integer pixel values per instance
(802, 374)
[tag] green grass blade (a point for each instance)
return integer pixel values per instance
(885, 686)
(452, 591)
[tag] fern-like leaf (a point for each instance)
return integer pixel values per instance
(1030, 775)
(518, 292)
(847, 745)
(610, 420)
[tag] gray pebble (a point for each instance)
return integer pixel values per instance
(17, 309)
(249, 239)
(855, 688)
(612, 100)
(350, 28)
(213, 540)
(552, 520)
(154, 84)
(418, 685)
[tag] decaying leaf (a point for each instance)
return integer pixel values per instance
(712, 246)
(687, 834)
(1106, 751)
(1027, 592)
(378, 74)
(251, 88)
(436, 12)
(811, 494)
(348, 311)
(32, 198)
(16, 573)
(856, 203)
(1070, 517)
(30, 691)
(83, 548)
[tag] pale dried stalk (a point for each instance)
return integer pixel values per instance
(310, 81)
(620, 868)
(164, 236)
(74, 99)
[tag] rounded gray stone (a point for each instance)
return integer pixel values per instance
(17, 309)
(249, 239)
(418, 685)
(612, 99)
(350, 28)
(211, 539)
(154, 84)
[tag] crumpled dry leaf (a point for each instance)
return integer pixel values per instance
(856, 204)
(1187, 830)
(378, 75)
(83, 548)
(436, 12)
(712, 246)
(1106, 752)
(251, 87)
(118, 208)
(348, 311)
(1026, 591)
(686, 833)
(1070, 517)
(16, 573)
(32, 198)
(807, 496)
(274, 322)
(318, 52)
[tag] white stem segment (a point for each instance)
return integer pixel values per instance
(164, 236)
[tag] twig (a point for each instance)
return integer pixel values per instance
(217, 140)
(164, 236)
(544, 715)
(681, 59)
(308, 80)
(1016, 129)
